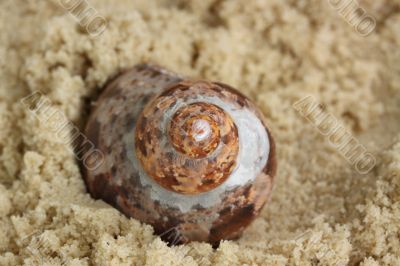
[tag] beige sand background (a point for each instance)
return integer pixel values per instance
(276, 52)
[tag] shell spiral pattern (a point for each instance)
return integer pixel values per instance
(192, 158)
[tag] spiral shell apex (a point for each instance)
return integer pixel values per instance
(192, 158)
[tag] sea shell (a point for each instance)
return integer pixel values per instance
(192, 158)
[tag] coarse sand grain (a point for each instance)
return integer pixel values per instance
(322, 212)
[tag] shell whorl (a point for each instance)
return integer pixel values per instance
(188, 157)
(187, 148)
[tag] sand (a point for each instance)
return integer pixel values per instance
(322, 212)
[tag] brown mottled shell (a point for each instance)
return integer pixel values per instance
(192, 158)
